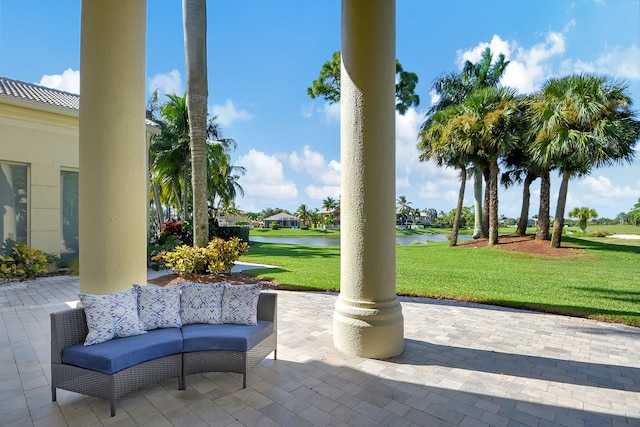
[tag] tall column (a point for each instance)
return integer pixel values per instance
(368, 318)
(112, 145)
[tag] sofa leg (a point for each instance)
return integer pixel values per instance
(275, 354)
(53, 394)
(244, 380)
(113, 407)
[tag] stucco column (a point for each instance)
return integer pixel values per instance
(113, 177)
(368, 318)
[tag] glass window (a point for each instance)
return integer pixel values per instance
(13, 202)
(69, 214)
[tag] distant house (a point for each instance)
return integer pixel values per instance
(283, 219)
(39, 164)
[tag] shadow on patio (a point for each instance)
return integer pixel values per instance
(462, 365)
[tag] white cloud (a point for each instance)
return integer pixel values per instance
(403, 182)
(227, 113)
(166, 83)
(528, 67)
(601, 187)
(265, 177)
(497, 46)
(331, 112)
(407, 154)
(451, 196)
(314, 164)
(618, 62)
(434, 97)
(307, 110)
(68, 81)
(316, 192)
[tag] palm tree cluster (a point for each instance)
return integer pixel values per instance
(572, 125)
(632, 217)
(316, 217)
(170, 163)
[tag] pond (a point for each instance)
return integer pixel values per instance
(335, 241)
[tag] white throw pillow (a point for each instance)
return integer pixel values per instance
(240, 304)
(201, 303)
(159, 307)
(110, 316)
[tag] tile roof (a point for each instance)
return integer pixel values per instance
(40, 94)
(30, 92)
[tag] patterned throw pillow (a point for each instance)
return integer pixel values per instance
(240, 304)
(110, 316)
(201, 303)
(159, 307)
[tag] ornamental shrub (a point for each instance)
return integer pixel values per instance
(156, 245)
(23, 263)
(33, 262)
(216, 258)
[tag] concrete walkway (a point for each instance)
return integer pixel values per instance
(464, 364)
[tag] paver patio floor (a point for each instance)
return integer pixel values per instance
(464, 364)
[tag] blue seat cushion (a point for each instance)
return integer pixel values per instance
(226, 337)
(120, 353)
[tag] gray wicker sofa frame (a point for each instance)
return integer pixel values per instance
(69, 327)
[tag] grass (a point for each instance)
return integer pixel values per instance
(291, 232)
(600, 281)
(318, 232)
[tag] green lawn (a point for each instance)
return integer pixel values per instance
(291, 232)
(601, 281)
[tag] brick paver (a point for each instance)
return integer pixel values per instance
(464, 364)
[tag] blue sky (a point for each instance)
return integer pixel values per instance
(263, 55)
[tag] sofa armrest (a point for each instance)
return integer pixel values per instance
(268, 307)
(68, 327)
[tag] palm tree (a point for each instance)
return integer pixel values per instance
(522, 169)
(449, 139)
(330, 205)
(315, 218)
(223, 179)
(195, 46)
(403, 208)
(170, 154)
(582, 122)
(453, 89)
(303, 214)
(583, 214)
(492, 117)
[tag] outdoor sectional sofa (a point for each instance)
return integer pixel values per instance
(166, 347)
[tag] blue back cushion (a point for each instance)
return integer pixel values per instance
(119, 353)
(203, 337)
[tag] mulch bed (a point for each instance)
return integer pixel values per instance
(525, 244)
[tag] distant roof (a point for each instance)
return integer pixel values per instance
(281, 216)
(29, 92)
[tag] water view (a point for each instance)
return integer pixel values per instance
(335, 241)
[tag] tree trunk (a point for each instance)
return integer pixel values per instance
(485, 208)
(542, 231)
(185, 192)
(456, 218)
(195, 45)
(521, 228)
(493, 204)
(477, 202)
(558, 221)
(158, 203)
